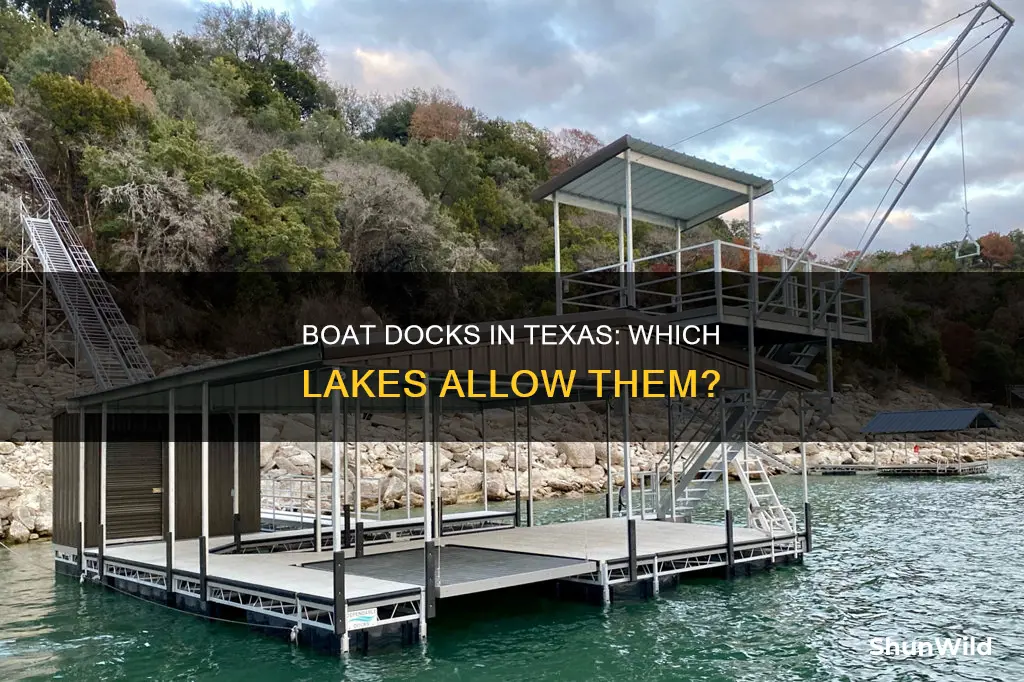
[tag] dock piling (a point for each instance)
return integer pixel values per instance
(807, 527)
(631, 540)
(348, 525)
(730, 554)
(359, 539)
(203, 558)
(430, 579)
(340, 612)
(169, 586)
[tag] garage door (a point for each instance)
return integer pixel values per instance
(135, 501)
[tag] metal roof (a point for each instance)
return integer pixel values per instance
(929, 421)
(669, 188)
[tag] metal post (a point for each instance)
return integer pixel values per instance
(803, 474)
(483, 434)
(753, 303)
(828, 364)
(340, 603)
(627, 465)
(204, 492)
(236, 518)
(103, 488)
(679, 267)
(436, 467)
(515, 468)
(317, 474)
(672, 457)
(610, 499)
(358, 492)
(729, 554)
(81, 490)
(529, 463)
(427, 456)
(630, 264)
(171, 492)
(558, 259)
(408, 472)
(631, 548)
(622, 259)
(335, 474)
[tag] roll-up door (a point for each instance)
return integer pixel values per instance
(135, 480)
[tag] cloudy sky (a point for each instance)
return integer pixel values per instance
(663, 70)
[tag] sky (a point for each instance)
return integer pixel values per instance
(664, 70)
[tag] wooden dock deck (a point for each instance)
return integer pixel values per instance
(385, 588)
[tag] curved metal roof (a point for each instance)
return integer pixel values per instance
(930, 421)
(669, 188)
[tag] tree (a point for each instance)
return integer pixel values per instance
(152, 219)
(394, 121)
(117, 73)
(440, 120)
(385, 221)
(6, 93)
(75, 109)
(19, 33)
(257, 35)
(520, 141)
(100, 15)
(569, 146)
(69, 52)
(997, 249)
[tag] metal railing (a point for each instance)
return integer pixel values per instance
(714, 277)
(292, 498)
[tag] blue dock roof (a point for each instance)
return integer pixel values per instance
(930, 421)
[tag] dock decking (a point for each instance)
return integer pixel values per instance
(386, 585)
(964, 469)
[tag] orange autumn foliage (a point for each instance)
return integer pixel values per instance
(117, 73)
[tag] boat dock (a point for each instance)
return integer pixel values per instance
(953, 469)
(384, 591)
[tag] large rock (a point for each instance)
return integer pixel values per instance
(11, 335)
(158, 359)
(8, 364)
(18, 532)
(469, 482)
(494, 460)
(296, 431)
(788, 421)
(578, 455)
(10, 423)
(9, 487)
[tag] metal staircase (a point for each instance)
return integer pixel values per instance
(109, 345)
(690, 482)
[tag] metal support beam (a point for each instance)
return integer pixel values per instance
(204, 492)
(357, 495)
(340, 604)
(360, 539)
(631, 548)
(171, 493)
(336, 465)
(515, 459)
(103, 486)
(236, 518)
(430, 552)
(483, 453)
(627, 464)
(609, 502)
(427, 457)
(81, 490)
(317, 475)
(558, 258)
(630, 256)
(529, 463)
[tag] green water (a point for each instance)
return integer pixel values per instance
(907, 559)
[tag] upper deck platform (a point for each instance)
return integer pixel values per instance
(788, 300)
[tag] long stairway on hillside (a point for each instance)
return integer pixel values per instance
(100, 330)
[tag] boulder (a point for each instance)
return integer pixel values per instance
(494, 460)
(469, 482)
(497, 489)
(157, 357)
(578, 455)
(296, 431)
(788, 421)
(10, 423)
(8, 364)
(9, 487)
(11, 335)
(18, 532)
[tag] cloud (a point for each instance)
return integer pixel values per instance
(662, 70)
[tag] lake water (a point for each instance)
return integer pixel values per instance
(908, 559)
